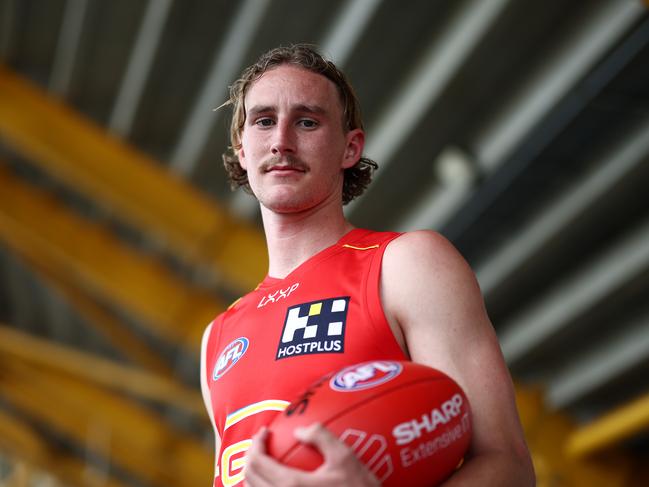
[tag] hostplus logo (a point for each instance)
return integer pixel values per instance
(316, 327)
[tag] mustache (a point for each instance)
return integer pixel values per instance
(288, 161)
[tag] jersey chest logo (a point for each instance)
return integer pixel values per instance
(315, 327)
(277, 295)
(230, 356)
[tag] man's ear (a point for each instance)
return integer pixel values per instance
(354, 148)
(242, 158)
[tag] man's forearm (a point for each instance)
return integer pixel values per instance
(494, 469)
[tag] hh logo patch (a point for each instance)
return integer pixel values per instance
(317, 327)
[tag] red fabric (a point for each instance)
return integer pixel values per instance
(343, 275)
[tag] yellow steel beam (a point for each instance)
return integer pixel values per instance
(106, 323)
(132, 436)
(19, 440)
(18, 437)
(547, 432)
(41, 229)
(609, 430)
(138, 188)
(58, 358)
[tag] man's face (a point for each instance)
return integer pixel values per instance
(293, 145)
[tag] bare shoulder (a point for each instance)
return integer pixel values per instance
(421, 240)
(425, 251)
(431, 294)
(424, 264)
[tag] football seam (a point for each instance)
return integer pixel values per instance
(342, 412)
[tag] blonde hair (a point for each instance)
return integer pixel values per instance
(357, 177)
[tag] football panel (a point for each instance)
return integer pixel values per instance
(322, 404)
(367, 428)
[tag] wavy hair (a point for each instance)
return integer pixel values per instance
(357, 177)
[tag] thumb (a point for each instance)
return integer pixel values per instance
(309, 434)
(320, 437)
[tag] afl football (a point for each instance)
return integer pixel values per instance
(408, 423)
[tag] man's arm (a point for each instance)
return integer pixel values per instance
(207, 397)
(431, 295)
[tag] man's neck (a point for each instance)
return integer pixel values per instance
(294, 238)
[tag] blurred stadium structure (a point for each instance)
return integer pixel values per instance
(517, 128)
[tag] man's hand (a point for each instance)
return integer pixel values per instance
(340, 466)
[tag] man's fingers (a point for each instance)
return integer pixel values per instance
(259, 440)
(338, 457)
(320, 437)
(261, 470)
(254, 479)
(255, 470)
(314, 434)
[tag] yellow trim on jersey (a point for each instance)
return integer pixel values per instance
(232, 469)
(361, 248)
(258, 407)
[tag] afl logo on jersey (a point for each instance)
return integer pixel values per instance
(365, 375)
(230, 356)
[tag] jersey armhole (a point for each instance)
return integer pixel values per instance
(374, 306)
(212, 341)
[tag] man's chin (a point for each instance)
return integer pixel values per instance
(285, 207)
(287, 203)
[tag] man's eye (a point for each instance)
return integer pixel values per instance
(308, 123)
(264, 122)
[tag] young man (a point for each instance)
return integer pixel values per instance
(336, 295)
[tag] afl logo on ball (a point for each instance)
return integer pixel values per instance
(230, 356)
(365, 375)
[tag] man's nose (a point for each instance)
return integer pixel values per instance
(283, 139)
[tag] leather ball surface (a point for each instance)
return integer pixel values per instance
(408, 423)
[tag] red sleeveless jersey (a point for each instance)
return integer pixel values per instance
(275, 341)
